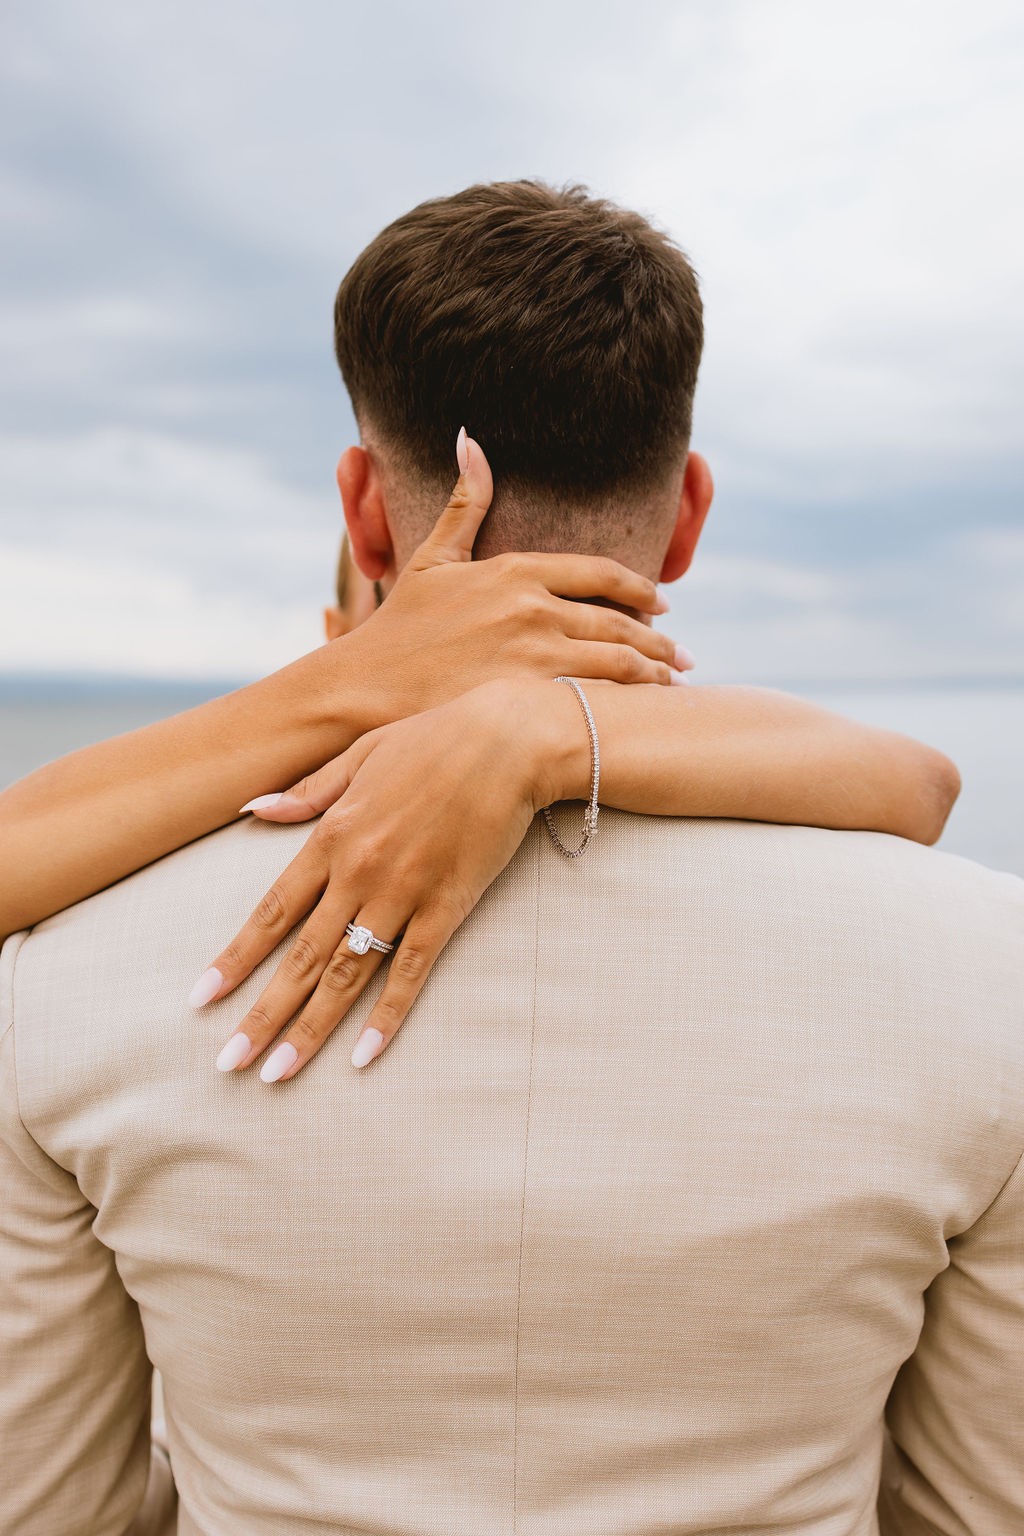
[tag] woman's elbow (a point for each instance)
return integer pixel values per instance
(941, 788)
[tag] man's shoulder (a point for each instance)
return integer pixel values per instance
(220, 877)
(214, 872)
(186, 905)
(750, 885)
(747, 851)
(88, 975)
(807, 890)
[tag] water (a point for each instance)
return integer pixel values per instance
(980, 727)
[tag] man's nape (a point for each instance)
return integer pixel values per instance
(390, 510)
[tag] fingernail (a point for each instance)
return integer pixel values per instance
(234, 1053)
(277, 1065)
(462, 451)
(206, 988)
(678, 677)
(262, 802)
(664, 606)
(367, 1047)
(684, 660)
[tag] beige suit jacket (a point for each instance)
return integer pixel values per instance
(697, 1161)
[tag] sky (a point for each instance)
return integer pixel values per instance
(184, 186)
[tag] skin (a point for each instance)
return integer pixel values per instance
(108, 809)
(377, 859)
(374, 496)
(442, 707)
(357, 599)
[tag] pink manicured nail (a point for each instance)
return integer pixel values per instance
(277, 1065)
(679, 677)
(234, 1053)
(262, 802)
(367, 1047)
(462, 451)
(664, 606)
(206, 988)
(684, 660)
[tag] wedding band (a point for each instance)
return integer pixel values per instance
(361, 939)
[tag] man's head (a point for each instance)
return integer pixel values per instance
(565, 334)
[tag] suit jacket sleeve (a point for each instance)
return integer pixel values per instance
(75, 1381)
(955, 1466)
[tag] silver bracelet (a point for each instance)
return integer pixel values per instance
(590, 814)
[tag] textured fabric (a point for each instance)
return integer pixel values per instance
(697, 1160)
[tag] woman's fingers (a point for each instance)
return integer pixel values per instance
(313, 794)
(284, 905)
(344, 977)
(335, 975)
(452, 536)
(614, 663)
(412, 825)
(410, 966)
(290, 986)
(590, 576)
(588, 621)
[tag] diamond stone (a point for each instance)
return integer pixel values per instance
(359, 940)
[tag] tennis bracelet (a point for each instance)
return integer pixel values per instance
(590, 814)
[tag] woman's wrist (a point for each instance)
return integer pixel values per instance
(540, 724)
(335, 694)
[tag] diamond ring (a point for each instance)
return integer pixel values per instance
(361, 939)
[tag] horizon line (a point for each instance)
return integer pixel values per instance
(21, 682)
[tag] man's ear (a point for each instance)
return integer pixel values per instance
(698, 489)
(362, 497)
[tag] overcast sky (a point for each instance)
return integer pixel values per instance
(184, 186)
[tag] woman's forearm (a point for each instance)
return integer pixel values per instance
(79, 824)
(752, 754)
(96, 815)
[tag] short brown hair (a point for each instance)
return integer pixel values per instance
(564, 332)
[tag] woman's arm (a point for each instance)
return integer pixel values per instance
(78, 824)
(750, 753)
(421, 816)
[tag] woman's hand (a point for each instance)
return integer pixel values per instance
(451, 623)
(423, 815)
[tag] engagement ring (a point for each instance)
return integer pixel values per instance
(361, 939)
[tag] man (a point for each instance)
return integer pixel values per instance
(724, 1175)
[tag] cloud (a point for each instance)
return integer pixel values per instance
(846, 189)
(108, 611)
(185, 187)
(216, 518)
